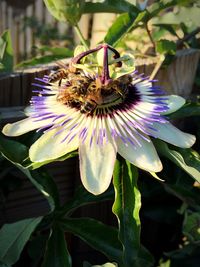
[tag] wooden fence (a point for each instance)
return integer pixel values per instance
(25, 19)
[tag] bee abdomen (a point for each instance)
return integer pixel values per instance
(88, 106)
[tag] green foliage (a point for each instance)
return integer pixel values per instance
(56, 254)
(36, 61)
(181, 158)
(96, 234)
(126, 207)
(191, 227)
(188, 110)
(166, 46)
(110, 6)
(119, 28)
(6, 52)
(66, 10)
(14, 237)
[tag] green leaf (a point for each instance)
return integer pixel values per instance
(191, 226)
(97, 235)
(166, 47)
(66, 10)
(168, 28)
(6, 52)
(188, 110)
(14, 237)
(12, 150)
(180, 158)
(110, 6)
(165, 264)
(133, 19)
(126, 207)
(57, 254)
(57, 51)
(40, 60)
(81, 198)
(45, 184)
(120, 28)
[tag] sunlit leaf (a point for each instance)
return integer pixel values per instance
(120, 28)
(133, 19)
(40, 60)
(66, 10)
(60, 51)
(111, 6)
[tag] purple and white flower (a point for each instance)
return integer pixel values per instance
(121, 125)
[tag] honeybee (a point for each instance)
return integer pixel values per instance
(92, 99)
(58, 75)
(86, 93)
(80, 92)
(118, 86)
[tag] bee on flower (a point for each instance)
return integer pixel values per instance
(101, 108)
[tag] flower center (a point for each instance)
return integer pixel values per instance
(88, 94)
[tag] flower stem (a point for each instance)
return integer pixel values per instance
(80, 35)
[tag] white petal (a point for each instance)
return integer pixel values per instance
(23, 126)
(169, 133)
(96, 165)
(50, 146)
(143, 156)
(174, 102)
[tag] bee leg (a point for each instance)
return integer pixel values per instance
(59, 84)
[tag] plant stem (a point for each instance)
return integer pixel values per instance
(80, 35)
(150, 37)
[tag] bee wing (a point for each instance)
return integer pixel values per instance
(61, 64)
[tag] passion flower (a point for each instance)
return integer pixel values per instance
(101, 111)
